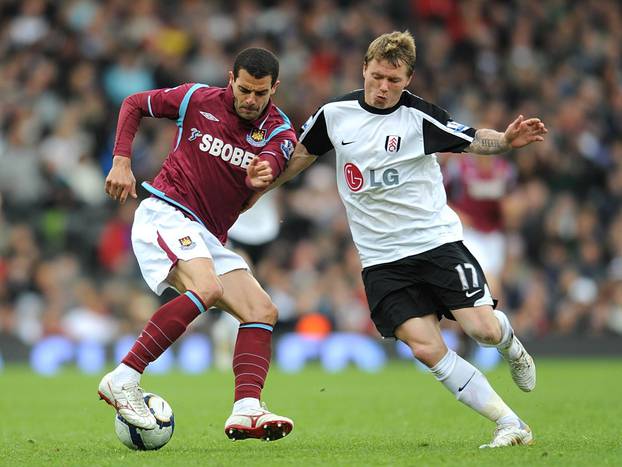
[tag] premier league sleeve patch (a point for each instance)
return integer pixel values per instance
(287, 148)
(452, 125)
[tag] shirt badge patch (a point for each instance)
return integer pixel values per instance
(194, 134)
(186, 243)
(456, 126)
(257, 137)
(307, 123)
(392, 143)
(287, 148)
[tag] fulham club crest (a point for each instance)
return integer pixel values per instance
(392, 143)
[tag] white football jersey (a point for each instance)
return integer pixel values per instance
(387, 174)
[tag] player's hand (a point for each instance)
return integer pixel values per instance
(259, 173)
(522, 132)
(120, 182)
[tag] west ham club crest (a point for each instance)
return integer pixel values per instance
(186, 243)
(257, 137)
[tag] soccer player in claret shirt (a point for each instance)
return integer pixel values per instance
(415, 268)
(230, 141)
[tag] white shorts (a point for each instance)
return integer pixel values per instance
(488, 248)
(162, 235)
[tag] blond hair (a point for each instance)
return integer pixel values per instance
(395, 47)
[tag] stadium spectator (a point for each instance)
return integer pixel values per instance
(559, 60)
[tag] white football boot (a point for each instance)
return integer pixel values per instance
(127, 399)
(257, 423)
(510, 435)
(523, 369)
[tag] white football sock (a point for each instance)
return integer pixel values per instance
(508, 346)
(471, 388)
(126, 373)
(246, 403)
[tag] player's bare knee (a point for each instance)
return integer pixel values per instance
(210, 293)
(428, 354)
(264, 312)
(487, 332)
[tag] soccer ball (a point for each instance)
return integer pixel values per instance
(145, 440)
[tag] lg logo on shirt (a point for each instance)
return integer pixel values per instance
(354, 177)
(377, 178)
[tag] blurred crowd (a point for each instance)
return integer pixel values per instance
(66, 264)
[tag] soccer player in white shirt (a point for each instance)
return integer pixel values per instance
(416, 269)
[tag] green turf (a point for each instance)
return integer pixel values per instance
(400, 416)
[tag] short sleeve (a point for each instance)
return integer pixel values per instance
(314, 134)
(278, 150)
(442, 134)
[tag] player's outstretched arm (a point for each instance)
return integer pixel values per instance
(120, 182)
(300, 160)
(519, 133)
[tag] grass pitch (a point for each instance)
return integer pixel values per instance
(399, 416)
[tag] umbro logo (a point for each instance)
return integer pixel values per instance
(209, 116)
(345, 143)
(470, 294)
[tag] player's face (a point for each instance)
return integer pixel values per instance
(384, 83)
(250, 94)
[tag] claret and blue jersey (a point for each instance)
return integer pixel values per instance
(204, 174)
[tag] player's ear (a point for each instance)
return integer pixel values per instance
(410, 78)
(276, 85)
(231, 78)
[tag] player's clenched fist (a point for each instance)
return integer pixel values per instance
(120, 182)
(259, 173)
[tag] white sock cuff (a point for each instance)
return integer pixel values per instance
(445, 366)
(246, 403)
(506, 329)
(126, 372)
